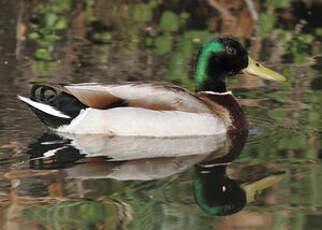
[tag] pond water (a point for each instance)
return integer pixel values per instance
(266, 179)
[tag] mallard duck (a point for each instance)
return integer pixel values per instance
(154, 109)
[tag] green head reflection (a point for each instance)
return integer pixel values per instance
(216, 194)
(219, 195)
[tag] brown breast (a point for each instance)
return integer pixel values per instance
(226, 107)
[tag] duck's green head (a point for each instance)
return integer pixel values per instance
(223, 57)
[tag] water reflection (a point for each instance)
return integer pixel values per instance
(67, 148)
(117, 168)
(217, 194)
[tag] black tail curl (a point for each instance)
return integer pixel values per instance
(41, 95)
(61, 101)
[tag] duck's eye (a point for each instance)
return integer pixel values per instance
(231, 50)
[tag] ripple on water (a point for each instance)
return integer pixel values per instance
(263, 130)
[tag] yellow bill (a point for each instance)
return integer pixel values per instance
(254, 189)
(257, 69)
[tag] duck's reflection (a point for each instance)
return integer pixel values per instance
(219, 195)
(89, 157)
(216, 193)
(122, 158)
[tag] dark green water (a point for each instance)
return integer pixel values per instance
(273, 181)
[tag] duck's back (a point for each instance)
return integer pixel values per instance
(123, 109)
